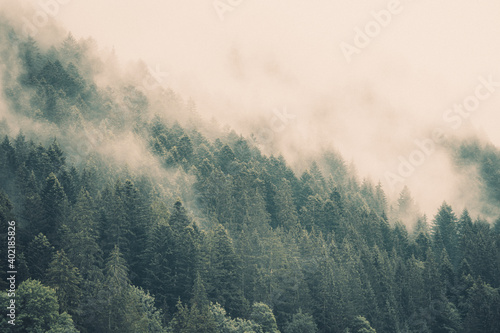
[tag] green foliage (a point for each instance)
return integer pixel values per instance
(248, 229)
(445, 231)
(483, 307)
(286, 214)
(151, 318)
(38, 310)
(301, 323)
(224, 272)
(54, 203)
(39, 254)
(227, 325)
(125, 308)
(63, 324)
(263, 315)
(196, 319)
(361, 325)
(66, 281)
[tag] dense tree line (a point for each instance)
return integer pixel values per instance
(257, 248)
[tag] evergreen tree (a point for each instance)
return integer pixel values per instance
(301, 323)
(445, 231)
(263, 315)
(447, 274)
(54, 205)
(114, 225)
(150, 316)
(361, 325)
(39, 254)
(223, 323)
(66, 281)
(322, 249)
(138, 222)
(483, 308)
(6, 215)
(82, 241)
(38, 310)
(159, 274)
(188, 320)
(173, 254)
(286, 214)
(122, 308)
(224, 273)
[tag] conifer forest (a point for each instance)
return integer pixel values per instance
(123, 208)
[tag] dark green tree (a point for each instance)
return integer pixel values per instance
(54, 204)
(286, 212)
(38, 310)
(361, 325)
(66, 281)
(301, 323)
(39, 254)
(445, 231)
(263, 315)
(224, 273)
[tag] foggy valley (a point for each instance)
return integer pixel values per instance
(237, 166)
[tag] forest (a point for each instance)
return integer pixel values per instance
(209, 234)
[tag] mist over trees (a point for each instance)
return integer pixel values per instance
(206, 233)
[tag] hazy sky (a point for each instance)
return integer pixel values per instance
(287, 54)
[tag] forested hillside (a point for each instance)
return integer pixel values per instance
(206, 233)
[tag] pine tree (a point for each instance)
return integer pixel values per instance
(159, 254)
(114, 225)
(31, 58)
(38, 310)
(66, 280)
(224, 273)
(301, 323)
(69, 182)
(249, 254)
(180, 322)
(445, 228)
(361, 325)
(81, 243)
(39, 254)
(150, 316)
(31, 212)
(431, 276)
(56, 157)
(226, 157)
(6, 215)
(193, 319)
(464, 225)
(380, 200)
(122, 309)
(8, 163)
(447, 274)
(444, 317)
(263, 315)
(286, 214)
(70, 50)
(483, 308)
(116, 271)
(255, 215)
(405, 202)
(173, 258)
(54, 205)
(138, 222)
(326, 294)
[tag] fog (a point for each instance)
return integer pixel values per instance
(277, 68)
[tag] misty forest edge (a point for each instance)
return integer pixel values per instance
(209, 234)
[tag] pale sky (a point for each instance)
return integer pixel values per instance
(427, 58)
